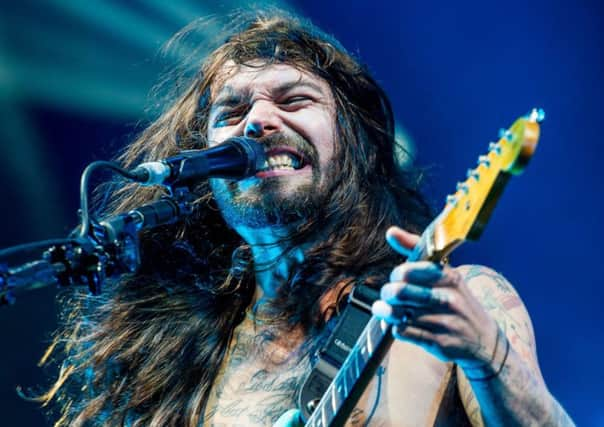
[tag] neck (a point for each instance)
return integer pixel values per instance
(273, 256)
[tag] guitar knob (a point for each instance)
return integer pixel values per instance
(452, 200)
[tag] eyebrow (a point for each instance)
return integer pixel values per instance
(228, 96)
(287, 86)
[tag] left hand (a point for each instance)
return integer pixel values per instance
(433, 307)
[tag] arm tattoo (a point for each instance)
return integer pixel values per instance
(518, 394)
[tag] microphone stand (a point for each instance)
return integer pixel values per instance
(109, 249)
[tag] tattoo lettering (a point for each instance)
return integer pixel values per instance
(254, 388)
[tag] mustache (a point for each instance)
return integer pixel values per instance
(295, 141)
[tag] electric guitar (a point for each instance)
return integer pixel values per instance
(464, 218)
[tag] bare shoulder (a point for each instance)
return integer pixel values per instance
(502, 302)
(499, 298)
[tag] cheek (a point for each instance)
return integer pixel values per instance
(319, 128)
(325, 142)
(216, 136)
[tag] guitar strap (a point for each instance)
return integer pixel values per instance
(331, 356)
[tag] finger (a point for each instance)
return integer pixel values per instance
(438, 323)
(414, 334)
(400, 293)
(421, 272)
(401, 241)
(451, 277)
(407, 294)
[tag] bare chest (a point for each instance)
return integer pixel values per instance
(253, 390)
(256, 385)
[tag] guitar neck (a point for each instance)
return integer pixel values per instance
(353, 377)
(464, 217)
(362, 362)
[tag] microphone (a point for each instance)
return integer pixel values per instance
(236, 158)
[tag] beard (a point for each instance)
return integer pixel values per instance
(274, 201)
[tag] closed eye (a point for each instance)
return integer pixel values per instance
(228, 118)
(294, 102)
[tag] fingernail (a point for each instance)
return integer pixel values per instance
(398, 273)
(386, 293)
(397, 246)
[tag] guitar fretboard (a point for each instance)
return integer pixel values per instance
(375, 339)
(362, 362)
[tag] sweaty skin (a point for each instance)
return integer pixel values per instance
(461, 326)
(258, 378)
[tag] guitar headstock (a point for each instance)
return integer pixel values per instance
(469, 208)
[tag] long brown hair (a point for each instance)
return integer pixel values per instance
(124, 353)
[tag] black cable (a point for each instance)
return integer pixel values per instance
(84, 183)
(35, 245)
(380, 373)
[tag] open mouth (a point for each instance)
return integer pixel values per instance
(283, 158)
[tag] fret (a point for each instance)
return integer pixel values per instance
(342, 378)
(363, 357)
(334, 400)
(327, 411)
(374, 331)
(369, 343)
(340, 389)
(347, 372)
(323, 416)
(384, 327)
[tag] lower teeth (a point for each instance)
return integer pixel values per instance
(281, 168)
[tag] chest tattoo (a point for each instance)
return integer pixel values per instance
(257, 384)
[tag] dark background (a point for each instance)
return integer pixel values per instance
(73, 83)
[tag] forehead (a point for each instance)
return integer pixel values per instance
(257, 75)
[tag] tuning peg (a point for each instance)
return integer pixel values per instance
(463, 187)
(505, 133)
(536, 115)
(451, 200)
(473, 173)
(484, 160)
(495, 147)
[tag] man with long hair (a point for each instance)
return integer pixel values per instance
(219, 325)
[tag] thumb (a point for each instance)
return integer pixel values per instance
(401, 241)
(289, 419)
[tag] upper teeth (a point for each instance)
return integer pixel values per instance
(281, 161)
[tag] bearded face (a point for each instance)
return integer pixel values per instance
(292, 114)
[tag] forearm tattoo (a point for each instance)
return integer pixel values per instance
(517, 396)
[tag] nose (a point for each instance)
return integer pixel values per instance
(262, 120)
